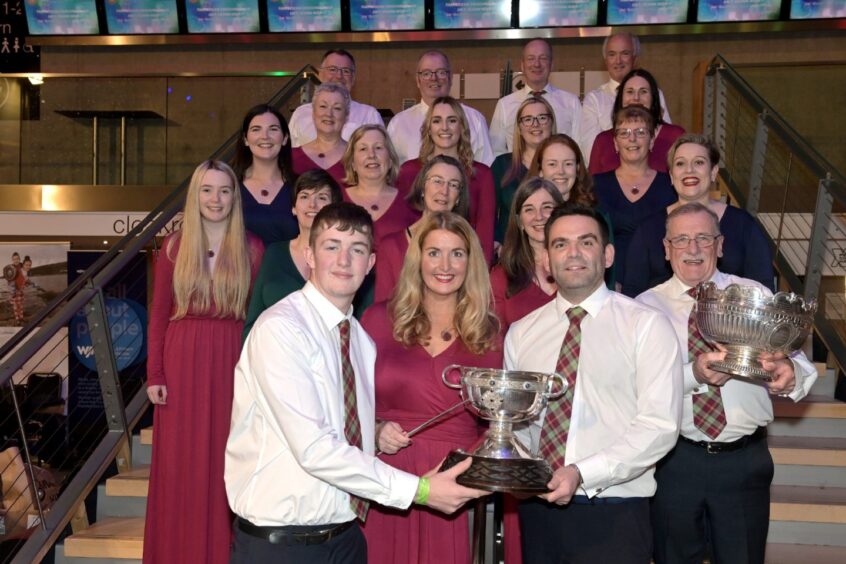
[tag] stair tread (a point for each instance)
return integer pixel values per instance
(808, 495)
(778, 553)
(810, 443)
(112, 537)
(810, 406)
(133, 483)
(147, 436)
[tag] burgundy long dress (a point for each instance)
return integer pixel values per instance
(188, 517)
(397, 217)
(301, 162)
(409, 391)
(389, 261)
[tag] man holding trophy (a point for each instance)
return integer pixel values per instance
(717, 478)
(619, 415)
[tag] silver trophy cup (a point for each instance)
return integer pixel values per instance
(748, 322)
(504, 397)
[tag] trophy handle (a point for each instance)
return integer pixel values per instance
(558, 393)
(446, 371)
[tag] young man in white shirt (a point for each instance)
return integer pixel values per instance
(718, 476)
(624, 403)
(338, 66)
(535, 64)
(434, 80)
(299, 459)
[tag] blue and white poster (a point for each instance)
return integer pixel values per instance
(304, 15)
(61, 17)
(469, 14)
(558, 13)
(817, 9)
(126, 17)
(738, 10)
(387, 15)
(222, 16)
(622, 12)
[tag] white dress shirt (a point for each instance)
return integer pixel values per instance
(596, 114)
(404, 131)
(302, 122)
(747, 405)
(567, 108)
(627, 401)
(287, 461)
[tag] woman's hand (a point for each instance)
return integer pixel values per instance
(390, 437)
(157, 395)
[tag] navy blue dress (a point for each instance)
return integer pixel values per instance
(626, 216)
(746, 252)
(271, 222)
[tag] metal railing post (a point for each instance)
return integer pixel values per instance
(708, 107)
(756, 170)
(36, 495)
(101, 341)
(720, 111)
(819, 234)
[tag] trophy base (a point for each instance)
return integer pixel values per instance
(520, 475)
(743, 370)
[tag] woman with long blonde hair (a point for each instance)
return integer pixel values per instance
(446, 131)
(202, 282)
(440, 314)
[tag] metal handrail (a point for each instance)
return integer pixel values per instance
(84, 291)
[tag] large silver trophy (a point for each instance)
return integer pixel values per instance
(504, 397)
(748, 322)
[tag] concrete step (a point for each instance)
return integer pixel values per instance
(141, 453)
(807, 534)
(113, 537)
(811, 406)
(826, 381)
(119, 506)
(808, 504)
(793, 553)
(130, 484)
(814, 416)
(808, 451)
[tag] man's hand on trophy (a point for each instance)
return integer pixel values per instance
(390, 437)
(783, 373)
(564, 482)
(445, 494)
(705, 375)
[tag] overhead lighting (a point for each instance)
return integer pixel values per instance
(36, 79)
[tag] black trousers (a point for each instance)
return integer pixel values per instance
(718, 499)
(347, 548)
(597, 533)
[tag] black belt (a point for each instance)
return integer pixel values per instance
(294, 534)
(742, 442)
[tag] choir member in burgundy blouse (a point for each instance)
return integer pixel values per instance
(371, 167)
(330, 107)
(445, 131)
(262, 163)
(202, 282)
(441, 314)
(535, 121)
(637, 88)
(441, 185)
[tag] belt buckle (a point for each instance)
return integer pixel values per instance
(712, 448)
(277, 537)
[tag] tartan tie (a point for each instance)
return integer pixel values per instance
(537, 93)
(352, 426)
(709, 416)
(553, 443)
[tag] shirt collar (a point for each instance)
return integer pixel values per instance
(330, 314)
(679, 288)
(592, 304)
(527, 91)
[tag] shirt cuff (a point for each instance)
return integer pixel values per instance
(691, 385)
(595, 475)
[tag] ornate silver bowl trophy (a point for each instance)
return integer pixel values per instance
(504, 397)
(748, 322)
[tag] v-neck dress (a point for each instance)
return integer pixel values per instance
(270, 222)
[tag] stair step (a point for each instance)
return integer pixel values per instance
(811, 406)
(141, 453)
(114, 537)
(778, 553)
(130, 484)
(808, 504)
(120, 506)
(803, 533)
(147, 436)
(60, 558)
(808, 451)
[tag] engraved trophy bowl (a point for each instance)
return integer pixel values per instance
(504, 397)
(747, 322)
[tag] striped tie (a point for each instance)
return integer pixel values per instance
(553, 443)
(352, 426)
(709, 416)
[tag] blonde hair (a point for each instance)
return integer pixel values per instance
(195, 287)
(464, 148)
(351, 176)
(518, 145)
(474, 320)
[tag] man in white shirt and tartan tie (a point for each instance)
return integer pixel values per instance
(717, 478)
(619, 416)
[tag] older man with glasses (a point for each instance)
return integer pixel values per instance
(434, 80)
(338, 66)
(717, 478)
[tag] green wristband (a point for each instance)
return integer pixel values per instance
(422, 492)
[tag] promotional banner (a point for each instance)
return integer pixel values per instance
(62, 17)
(33, 274)
(141, 16)
(222, 16)
(304, 15)
(621, 12)
(555, 13)
(466, 14)
(379, 15)
(738, 10)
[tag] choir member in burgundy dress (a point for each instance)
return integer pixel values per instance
(330, 107)
(445, 131)
(441, 314)
(202, 282)
(441, 185)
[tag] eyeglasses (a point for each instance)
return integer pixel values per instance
(428, 74)
(540, 119)
(441, 182)
(343, 71)
(626, 132)
(702, 241)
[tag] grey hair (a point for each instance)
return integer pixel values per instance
(691, 208)
(632, 37)
(335, 89)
